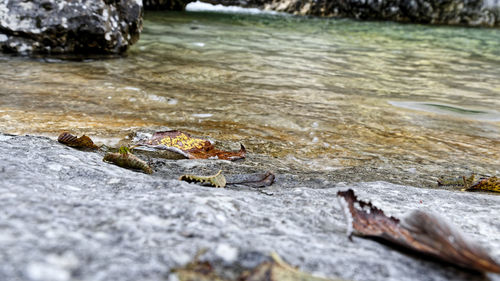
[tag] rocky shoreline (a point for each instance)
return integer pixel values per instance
(110, 27)
(467, 13)
(485, 13)
(67, 215)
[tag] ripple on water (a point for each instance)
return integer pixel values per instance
(448, 109)
(309, 93)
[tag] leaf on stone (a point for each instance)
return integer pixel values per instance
(488, 184)
(197, 271)
(82, 142)
(472, 183)
(275, 270)
(252, 180)
(462, 181)
(124, 158)
(189, 147)
(217, 180)
(420, 232)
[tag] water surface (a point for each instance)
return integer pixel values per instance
(314, 94)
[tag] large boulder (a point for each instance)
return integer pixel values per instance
(450, 12)
(66, 27)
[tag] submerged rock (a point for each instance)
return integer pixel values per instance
(69, 27)
(66, 215)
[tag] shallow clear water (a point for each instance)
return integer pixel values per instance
(320, 94)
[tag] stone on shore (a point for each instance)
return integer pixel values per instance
(67, 215)
(69, 27)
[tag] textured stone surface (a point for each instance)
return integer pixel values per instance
(452, 12)
(66, 215)
(448, 12)
(62, 27)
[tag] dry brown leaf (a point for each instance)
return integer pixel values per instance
(126, 159)
(252, 180)
(462, 181)
(189, 147)
(488, 184)
(217, 180)
(73, 141)
(472, 183)
(420, 232)
(273, 270)
(276, 270)
(197, 271)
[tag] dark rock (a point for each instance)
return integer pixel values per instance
(69, 27)
(450, 12)
(242, 3)
(169, 5)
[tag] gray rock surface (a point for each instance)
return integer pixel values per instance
(66, 215)
(449, 12)
(67, 27)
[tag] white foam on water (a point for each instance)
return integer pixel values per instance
(205, 7)
(132, 88)
(157, 98)
(202, 115)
